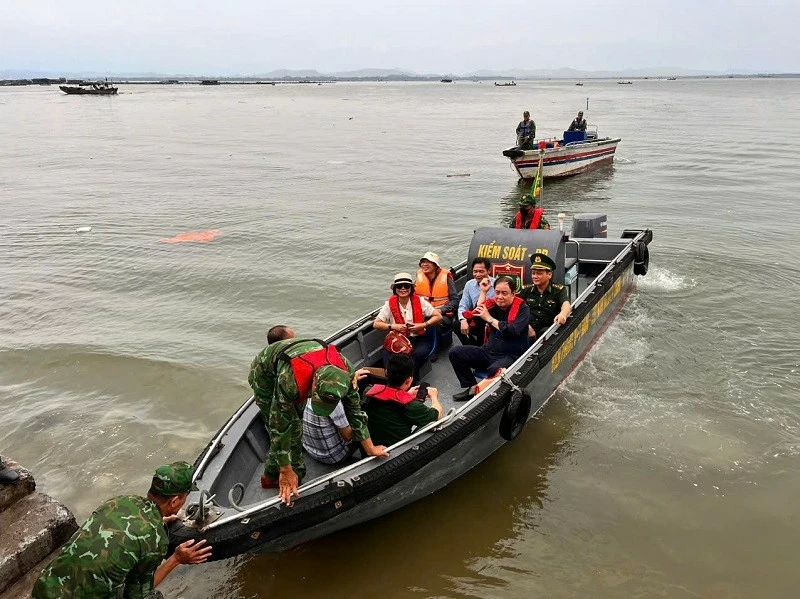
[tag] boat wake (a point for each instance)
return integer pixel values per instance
(664, 280)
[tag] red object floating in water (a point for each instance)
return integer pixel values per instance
(201, 237)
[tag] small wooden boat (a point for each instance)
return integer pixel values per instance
(236, 515)
(508, 84)
(625, 82)
(576, 152)
(447, 81)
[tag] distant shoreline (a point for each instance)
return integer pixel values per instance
(328, 80)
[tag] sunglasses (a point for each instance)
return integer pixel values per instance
(403, 286)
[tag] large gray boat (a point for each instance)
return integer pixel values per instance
(600, 274)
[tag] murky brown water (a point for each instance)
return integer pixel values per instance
(666, 465)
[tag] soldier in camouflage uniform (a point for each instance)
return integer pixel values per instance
(548, 302)
(118, 551)
(523, 218)
(277, 395)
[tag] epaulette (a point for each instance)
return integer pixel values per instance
(557, 286)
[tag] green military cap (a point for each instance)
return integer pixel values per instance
(332, 385)
(173, 479)
(541, 261)
(527, 200)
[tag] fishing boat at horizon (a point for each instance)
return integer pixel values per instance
(576, 152)
(508, 84)
(235, 514)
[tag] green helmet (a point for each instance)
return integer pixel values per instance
(527, 200)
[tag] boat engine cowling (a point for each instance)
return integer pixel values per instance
(590, 225)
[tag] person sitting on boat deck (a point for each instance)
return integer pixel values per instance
(437, 285)
(506, 317)
(393, 408)
(477, 290)
(526, 131)
(579, 123)
(406, 312)
(529, 216)
(548, 301)
(283, 376)
(118, 551)
(328, 439)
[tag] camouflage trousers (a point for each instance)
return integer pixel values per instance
(295, 432)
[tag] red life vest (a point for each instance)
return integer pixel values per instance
(305, 365)
(512, 313)
(537, 217)
(416, 309)
(386, 393)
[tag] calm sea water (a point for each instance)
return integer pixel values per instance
(666, 465)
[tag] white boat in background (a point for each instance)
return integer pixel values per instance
(577, 152)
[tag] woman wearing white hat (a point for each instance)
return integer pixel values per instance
(408, 313)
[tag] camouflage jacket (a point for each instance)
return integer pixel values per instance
(115, 553)
(276, 393)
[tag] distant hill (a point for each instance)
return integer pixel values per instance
(396, 74)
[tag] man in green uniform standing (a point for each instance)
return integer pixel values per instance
(118, 551)
(548, 301)
(283, 376)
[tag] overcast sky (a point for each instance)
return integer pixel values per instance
(228, 37)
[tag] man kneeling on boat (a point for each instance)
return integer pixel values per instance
(283, 377)
(394, 408)
(506, 318)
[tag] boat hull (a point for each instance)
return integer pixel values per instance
(564, 161)
(82, 91)
(420, 465)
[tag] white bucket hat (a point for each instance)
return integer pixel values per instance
(431, 257)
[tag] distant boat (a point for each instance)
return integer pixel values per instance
(99, 88)
(447, 81)
(672, 78)
(625, 82)
(209, 82)
(511, 84)
(579, 84)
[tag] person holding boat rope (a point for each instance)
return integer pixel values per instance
(526, 131)
(284, 376)
(119, 551)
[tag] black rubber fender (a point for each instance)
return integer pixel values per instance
(515, 414)
(641, 258)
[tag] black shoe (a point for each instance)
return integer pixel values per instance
(7, 475)
(464, 395)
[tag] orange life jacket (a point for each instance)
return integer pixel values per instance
(305, 365)
(386, 393)
(439, 295)
(416, 309)
(537, 216)
(512, 313)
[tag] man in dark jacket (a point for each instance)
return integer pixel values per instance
(506, 319)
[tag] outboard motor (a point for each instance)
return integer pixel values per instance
(590, 225)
